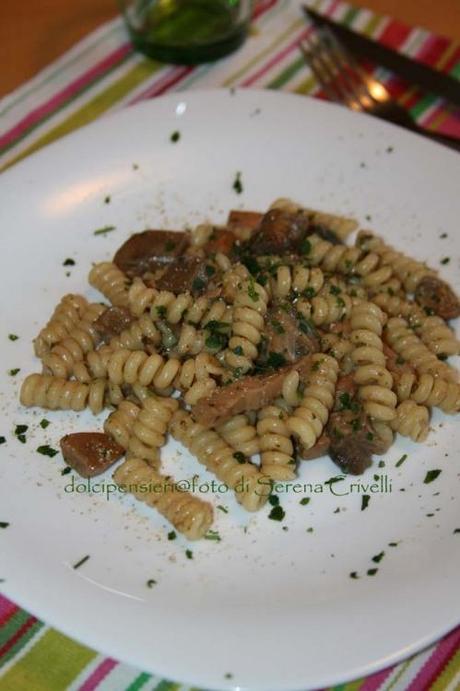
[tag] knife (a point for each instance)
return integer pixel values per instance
(414, 72)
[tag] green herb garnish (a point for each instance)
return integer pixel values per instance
(44, 423)
(401, 460)
(13, 337)
(151, 582)
(161, 311)
(371, 572)
(275, 360)
(239, 456)
(238, 350)
(213, 535)
(13, 372)
(252, 292)
(304, 501)
(277, 513)
(237, 184)
(46, 450)
(66, 470)
(335, 290)
(277, 326)
(222, 508)
(107, 199)
(69, 262)
(431, 475)
(365, 499)
(81, 562)
(378, 557)
(274, 500)
(175, 136)
(354, 574)
(21, 429)
(446, 260)
(2, 440)
(189, 554)
(172, 535)
(198, 284)
(104, 230)
(4, 524)
(305, 246)
(209, 270)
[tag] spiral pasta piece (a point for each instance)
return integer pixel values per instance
(408, 270)
(232, 279)
(67, 314)
(277, 456)
(240, 434)
(55, 393)
(438, 337)
(311, 415)
(137, 334)
(404, 341)
(250, 485)
(107, 278)
(188, 514)
(341, 226)
(325, 309)
(297, 279)
(429, 390)
(119, 424)
(250, 307)
(411, 420)
(150, 427)
(82, 338)
(374, 380)
(395, 306)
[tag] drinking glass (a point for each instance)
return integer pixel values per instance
(187, 31)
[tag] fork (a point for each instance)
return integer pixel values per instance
(344, 81)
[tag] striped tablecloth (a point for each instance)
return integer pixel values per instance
(102, 74)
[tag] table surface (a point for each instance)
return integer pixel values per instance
(33, 33)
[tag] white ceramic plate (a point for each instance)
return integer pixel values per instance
(271, 606)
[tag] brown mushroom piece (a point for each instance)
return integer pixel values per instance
(437, 297)
(90, 453)
(279, 232)
(112, 322)
(186, 273)
(247, 393)
(150, 250)
(283, 335)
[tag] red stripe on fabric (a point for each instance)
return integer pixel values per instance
(98, 675)
(435, 663)
(276, 58)
(394, 34)
(171, 78)
(262, 7)
(17, 636)
(7, 608)
(432, 49)
(65, 94)
(375, 681)
(332, 8)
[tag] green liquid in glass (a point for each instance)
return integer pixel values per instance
(189, 31)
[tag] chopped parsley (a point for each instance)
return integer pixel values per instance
(390, 149)
(446, 260)
(2, 440)
(443, 236)
(335, 290)
(238, 350)
(457, 530)
(237, 184)
(13, 372)
(276, 360)
(252, 292)
(304, 501)
(370, 436)
(365, 499)
(431, 475)
(103, 230)
(277, 513)
(151, 582)
(66, 470)
(371, 572)
(401, 461)
(347, 402)
(222, 508)
(169, 245)
(4, 524)
(44, 423)
(216, 341)
(309, 292)
(305, 246)
(213, 535)
(274, 500)
(13, 337)
(228, 675)
(393, 544)
(21, 429)
(378, 557)
(354, 574)
(277, 326)
(175, 136)
(239, 456)
(209, 270)
(46, 450)
(81, 562)
(355, 425)
(161, 311)
(172, 535)
(107, 199)
(189, 554)
(198, 284)
(68, 262)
